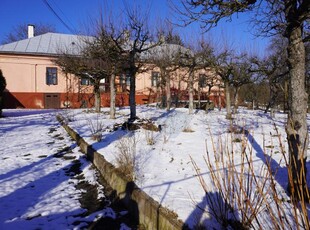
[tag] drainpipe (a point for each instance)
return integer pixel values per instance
(35, 78)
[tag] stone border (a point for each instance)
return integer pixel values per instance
(151, 214)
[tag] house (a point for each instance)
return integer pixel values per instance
(35, 81)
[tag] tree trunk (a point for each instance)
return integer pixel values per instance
(97, 96)
(191, 92)
(163, 101)
(273, 96)
(132, 96)
(220, 101)
(158, 97)
(297, 130)
(228, 109)
(112, 96)
(168, 92)
(199, 96)
(236, 102)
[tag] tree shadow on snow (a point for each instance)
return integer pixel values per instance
(212, 212)
(28, 168)
(20, 208)
(280, 173)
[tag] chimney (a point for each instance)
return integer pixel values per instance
(30, 31)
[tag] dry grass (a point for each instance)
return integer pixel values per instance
(126, 158)
(243, 195)
(96, 127)
(149, 137)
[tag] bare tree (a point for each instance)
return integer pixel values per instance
(104, 48)
(134, 41)
(20, 32)
(84, 67)
(222, 63)
(173, 38)
(190, 62)
(257, 93)
(99, 59)
(244, 72)
(195, 59)
(274, 70)
(166, 57)
(289, 17)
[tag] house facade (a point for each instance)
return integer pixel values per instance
(35, 81)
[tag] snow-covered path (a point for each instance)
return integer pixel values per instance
(38, 162)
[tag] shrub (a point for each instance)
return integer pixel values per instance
(243, 196)
(126, 158)
(96, 128)
(2, 88)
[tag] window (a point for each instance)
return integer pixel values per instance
(86, 81)
(104, 84)
(51, 76)
(127, 79)
(155, 79)
(124, 79)
(202, 81)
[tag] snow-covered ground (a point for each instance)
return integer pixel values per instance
(39, 167)
(163, 170)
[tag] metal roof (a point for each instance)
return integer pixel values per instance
(47, 44)
(51, 44)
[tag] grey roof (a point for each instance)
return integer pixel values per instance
(46, 44)
(51, 44)
(166, 51)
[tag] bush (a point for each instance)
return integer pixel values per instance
(245, 197)
(2, 88)
(126, 158)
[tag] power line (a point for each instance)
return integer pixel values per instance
(67, 19)
(60, 19)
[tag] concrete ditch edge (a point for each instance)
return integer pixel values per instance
(151, 214)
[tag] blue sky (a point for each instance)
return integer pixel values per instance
(76, 14)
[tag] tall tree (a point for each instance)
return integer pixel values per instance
(244, 72)
(104, 49)
(99, 59)
(189, 61)
(134, 41)
(166, 57)
(222, 63)
(274, 70)
(20, 32)
(197, 57)
(289, 17)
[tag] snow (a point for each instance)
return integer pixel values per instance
(35, 190)
(32, 185)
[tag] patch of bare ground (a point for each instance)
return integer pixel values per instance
(90, 199)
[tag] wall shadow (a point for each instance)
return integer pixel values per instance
(126, 208)
(131, 204)
(10, 101)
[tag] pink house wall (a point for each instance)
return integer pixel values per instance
(26, 85)
(26, 82)
(28, 74)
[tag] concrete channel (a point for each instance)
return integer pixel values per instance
(146, 213)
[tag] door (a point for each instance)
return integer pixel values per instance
(52, 101)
